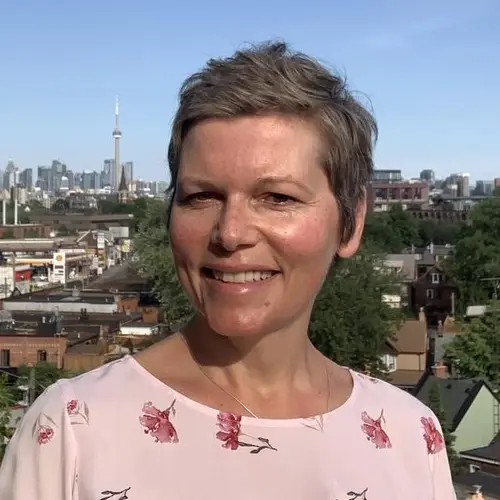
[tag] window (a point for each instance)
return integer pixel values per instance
(41, 356)
(389, 361)
(5, 358)
(435, 278)
(429, 293)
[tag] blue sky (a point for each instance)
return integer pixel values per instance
(431, 69)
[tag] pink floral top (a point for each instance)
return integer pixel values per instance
(118, 433)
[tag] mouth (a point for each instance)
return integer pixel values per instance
(238, 277)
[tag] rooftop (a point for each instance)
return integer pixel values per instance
(457, 395)
(124, 278)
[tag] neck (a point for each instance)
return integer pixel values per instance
(278, 359)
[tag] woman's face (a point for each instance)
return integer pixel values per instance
(254, 225)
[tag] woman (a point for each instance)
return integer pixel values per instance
(269, 158)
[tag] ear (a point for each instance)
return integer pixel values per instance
(349, 248)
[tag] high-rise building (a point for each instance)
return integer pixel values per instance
(387, 176)
(128, 168)
(26, 178)
(428, 175)
(117, 135)
(10, 176)
(108, 173)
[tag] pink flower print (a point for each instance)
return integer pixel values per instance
(230, 426)
(230, 432)
(374, 432)
(158, 423)
(45, 434)
(78, 412)
(72, 407)
(433, 438)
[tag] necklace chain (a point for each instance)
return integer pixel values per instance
(232, 396)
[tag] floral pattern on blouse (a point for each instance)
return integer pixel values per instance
(43, 429)
(78, 412)
(315, 423)
(433, 438)
(115, 495)
(157, 423)
(374, 431)
(352, 495)
(230, 434)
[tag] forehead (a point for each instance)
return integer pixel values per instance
(250, 147)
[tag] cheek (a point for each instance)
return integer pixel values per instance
(309, 245)
(188, 236)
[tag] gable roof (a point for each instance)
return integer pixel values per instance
(411, 338)
(457, 395)
(490, 452)
(427, 259)
(404, 263)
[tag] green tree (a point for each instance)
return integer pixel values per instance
(435, 404)
(379, 233)
(439, 233)
(154, 259)
(351, 322)
(476, 351)
(404, 225)
(6, 401)
(45, 374)
(477, 254)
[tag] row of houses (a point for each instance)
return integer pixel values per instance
(414, 361)
(78, 329)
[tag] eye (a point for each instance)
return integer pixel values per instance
(280, 199)
(197, 198)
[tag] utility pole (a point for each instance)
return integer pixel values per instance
(31, 387)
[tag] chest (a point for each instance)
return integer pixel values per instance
(210, 462)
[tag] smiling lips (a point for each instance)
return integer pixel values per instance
(241, 276)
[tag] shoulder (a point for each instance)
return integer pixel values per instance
(60, 400)
(393, 399)
(101, 383)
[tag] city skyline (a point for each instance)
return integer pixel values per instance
(426, 68)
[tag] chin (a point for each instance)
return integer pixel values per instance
(231, 324)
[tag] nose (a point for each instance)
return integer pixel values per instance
(235, 227)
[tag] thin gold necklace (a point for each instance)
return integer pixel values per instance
(232, 396)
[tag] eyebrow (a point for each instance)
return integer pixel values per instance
(283, 179)
(268, 180)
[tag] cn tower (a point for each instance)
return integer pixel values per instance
(117, 135)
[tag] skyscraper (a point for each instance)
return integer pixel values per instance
(117, 135)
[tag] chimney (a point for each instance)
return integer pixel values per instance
(440, 370)
(4, 212)
(421, 316)
(431, 248)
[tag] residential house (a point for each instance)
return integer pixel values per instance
(486, 458)
(440, 337)
(403, 265)
(433, 290)
(405, 357)
(470, 407)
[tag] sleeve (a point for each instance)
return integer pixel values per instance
(443, 484)
(40, 460)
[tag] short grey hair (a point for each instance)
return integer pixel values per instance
(270, 78)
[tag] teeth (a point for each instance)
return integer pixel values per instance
(246, 277)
